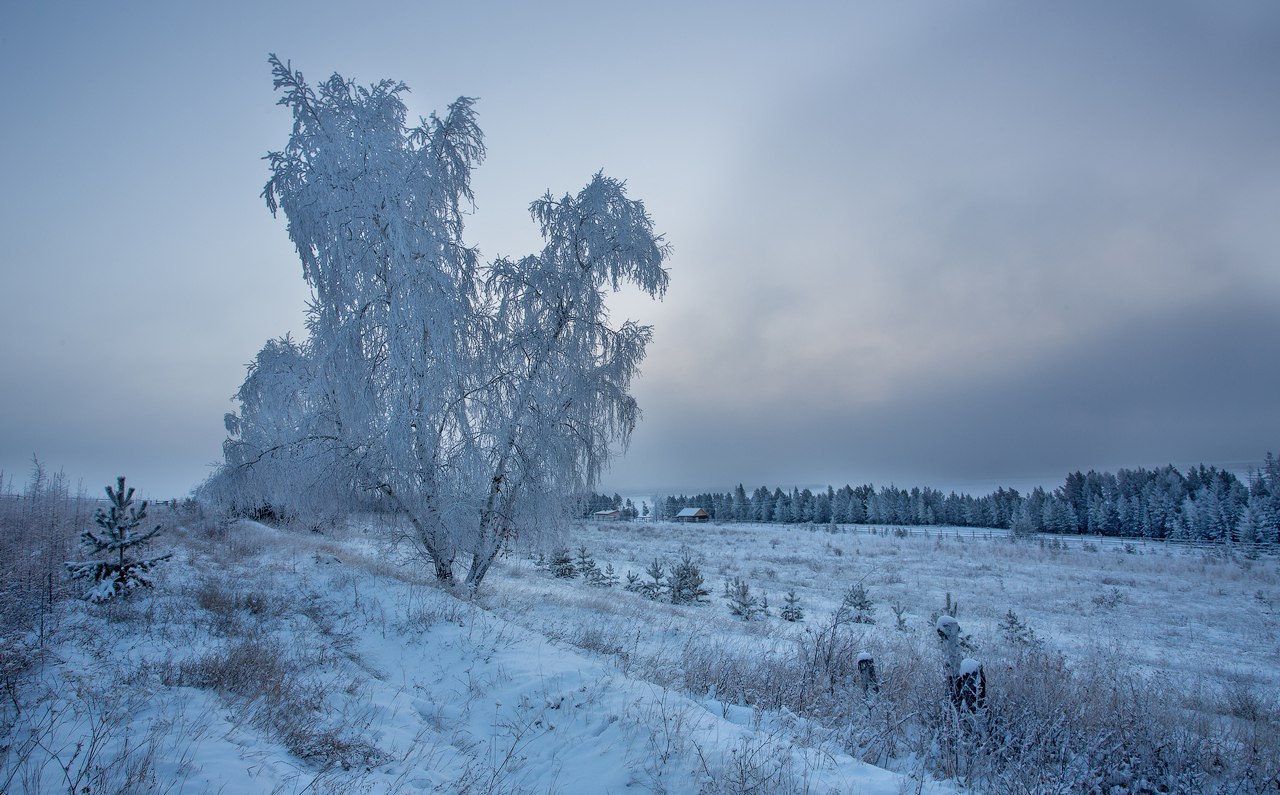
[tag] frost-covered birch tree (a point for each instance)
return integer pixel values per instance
(560, 371)
(473, 398)
(280, 454)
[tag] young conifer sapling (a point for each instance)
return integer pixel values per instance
(117, 535)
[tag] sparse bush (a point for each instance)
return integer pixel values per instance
(37, 532)
(1109, 600)
(1245, 703)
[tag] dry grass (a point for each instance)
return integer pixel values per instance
(1120, 698)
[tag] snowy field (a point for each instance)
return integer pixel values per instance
(276, 661)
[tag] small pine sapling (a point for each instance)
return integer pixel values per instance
(561, 564)
(655, 572)
(791, 610)
(949, 609)
(117, 536)
(859, 602)
(899, 616)
(742, 603)
(686, 583)
(586, 566)
(1016, 631)
(606, 579)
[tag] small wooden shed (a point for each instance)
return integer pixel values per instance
(693, 515)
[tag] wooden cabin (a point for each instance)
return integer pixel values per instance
(693, 515)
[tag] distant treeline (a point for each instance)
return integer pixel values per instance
(603, 502)
(1203, 503)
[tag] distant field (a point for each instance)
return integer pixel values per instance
(1192, 634)
(1190, 612)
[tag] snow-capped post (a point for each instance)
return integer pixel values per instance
(118, 524)
(867, 674)
(969, 691)
(966, 682)
(949, 636)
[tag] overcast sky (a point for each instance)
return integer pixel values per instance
(928, 243)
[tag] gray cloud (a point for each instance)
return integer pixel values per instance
(1033, 240)
(1183, 387)
(913, 242)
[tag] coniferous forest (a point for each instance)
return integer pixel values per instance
(1204, 503)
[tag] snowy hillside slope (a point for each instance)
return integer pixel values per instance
(276, 661)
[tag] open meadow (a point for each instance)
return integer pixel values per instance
(277, 660)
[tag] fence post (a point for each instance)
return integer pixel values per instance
(867, 674)
(966, 681)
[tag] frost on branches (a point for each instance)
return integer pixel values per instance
(474, 399)
(118, 525)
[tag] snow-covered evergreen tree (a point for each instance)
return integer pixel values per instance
(586, 566)
(791, 609)
(859, 604)
(117, 535)
(686, 584)
(742, 603)
(561, 564)
(653, 588)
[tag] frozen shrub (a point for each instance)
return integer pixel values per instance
(1109, 600)
(37, 536)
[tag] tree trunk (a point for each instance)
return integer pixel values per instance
(441, 557)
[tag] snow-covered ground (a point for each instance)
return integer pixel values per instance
(276, 661)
